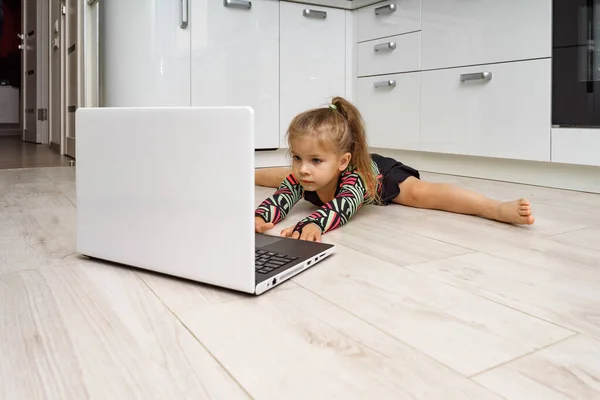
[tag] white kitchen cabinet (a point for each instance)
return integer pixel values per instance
(145, 57)
(235, 60)
(461, 33)
(156, 54)
(576, 146)
(313, 54)
(500, 110)
(390, 106)
(395, 54)
(388, 18)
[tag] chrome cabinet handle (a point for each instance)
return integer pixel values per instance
(381, 84)
(391, 46)
(183, 21)
(478, 76)
(314, 14)
(386, 10)
(237, 4)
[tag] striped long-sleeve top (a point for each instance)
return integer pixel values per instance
(350, 196)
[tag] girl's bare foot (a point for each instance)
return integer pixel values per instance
(515, 212)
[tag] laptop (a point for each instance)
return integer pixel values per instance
(172, 190)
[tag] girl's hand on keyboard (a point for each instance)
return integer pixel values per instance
(310, 232)
(261, 226)
(287, 232)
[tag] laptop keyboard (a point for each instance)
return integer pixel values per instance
(266, 262)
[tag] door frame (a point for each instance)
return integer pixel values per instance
(90, 54)
(25, 28)
(70, 77)
(42, 70)
(43, 65)
(63, 76)
(86, 68)
(61, 48)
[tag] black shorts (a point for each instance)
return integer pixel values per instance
(394, 173)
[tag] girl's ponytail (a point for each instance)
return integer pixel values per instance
(361, 159)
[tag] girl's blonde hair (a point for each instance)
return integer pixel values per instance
(339, 126)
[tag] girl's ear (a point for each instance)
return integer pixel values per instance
(344, 161)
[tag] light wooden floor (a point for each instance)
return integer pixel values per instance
(14, 153)
(414, 305)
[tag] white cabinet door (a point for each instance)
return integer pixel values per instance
(391, 108)
(460, 33)
(313, 52)
(235, 60)
(500, 110)
(145, 57)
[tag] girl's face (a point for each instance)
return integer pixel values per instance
(314, 165)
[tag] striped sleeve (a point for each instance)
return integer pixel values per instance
(350, 198)
(276, 207)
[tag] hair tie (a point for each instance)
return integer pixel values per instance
(333, 106)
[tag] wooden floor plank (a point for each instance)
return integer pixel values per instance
(86, 330)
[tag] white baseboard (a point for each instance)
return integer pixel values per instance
(555, 175)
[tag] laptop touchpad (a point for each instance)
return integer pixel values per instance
(265, 240)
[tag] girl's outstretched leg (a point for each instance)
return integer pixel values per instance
(446, 197)
(271, 177)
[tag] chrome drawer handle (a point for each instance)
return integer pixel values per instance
(385, 46)
(478, 76)
(184, 18)
(314, 14)
(381, 84)
(237, 4)
(386, 10)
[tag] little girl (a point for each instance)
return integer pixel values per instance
(332, 169)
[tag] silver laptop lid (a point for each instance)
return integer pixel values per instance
(169, 190)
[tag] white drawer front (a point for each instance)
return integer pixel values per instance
(313, 59)
(392, 55)
(507, 116)
(389, 18)
(460, 33)
(391, 114)
(576, 146)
